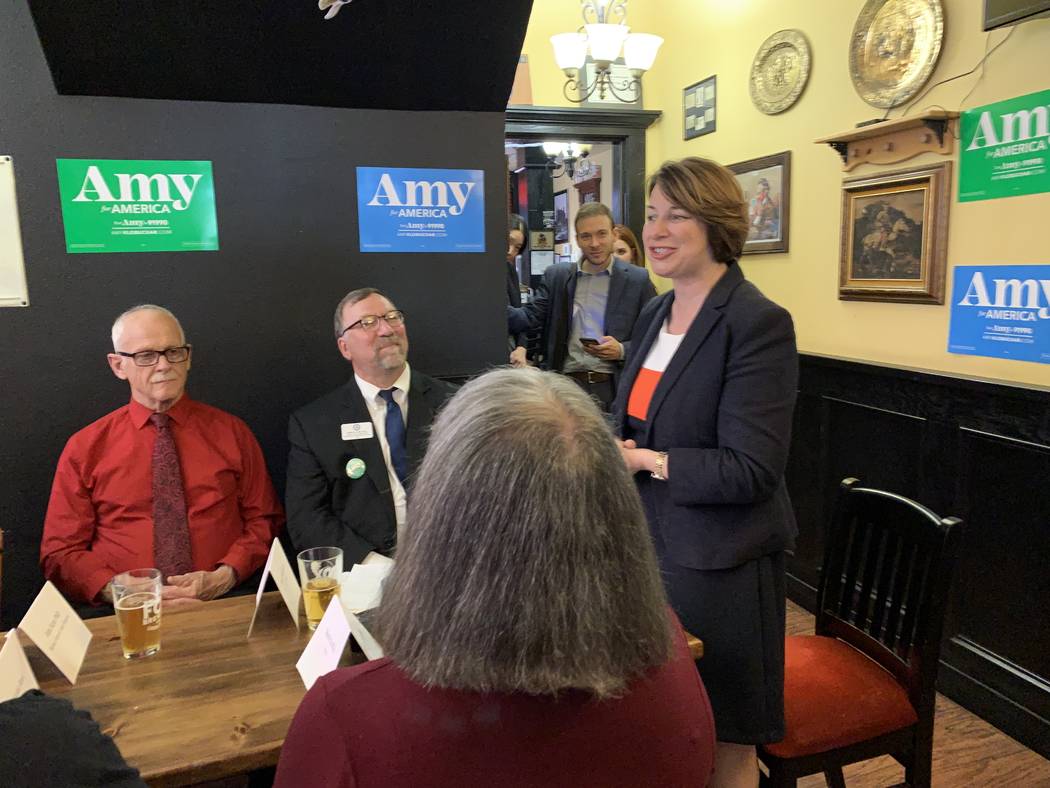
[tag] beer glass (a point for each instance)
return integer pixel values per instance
(136, 601)
(319, 571)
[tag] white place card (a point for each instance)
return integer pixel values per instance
(287, 583)
(325, 648)
(364, 638)
(16, 677)
(57, 631)
(362, 587)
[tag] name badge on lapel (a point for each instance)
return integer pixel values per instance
(356, 430)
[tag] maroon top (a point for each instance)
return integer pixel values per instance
(100, 518)
(370, 725)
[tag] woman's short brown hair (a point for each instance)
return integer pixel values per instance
(711, 193)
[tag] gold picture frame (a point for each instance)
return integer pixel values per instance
(894, 236)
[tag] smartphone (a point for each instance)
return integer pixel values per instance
(588, 341)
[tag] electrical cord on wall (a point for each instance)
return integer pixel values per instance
(980, 65)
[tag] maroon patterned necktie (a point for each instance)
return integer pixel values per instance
(171, 533)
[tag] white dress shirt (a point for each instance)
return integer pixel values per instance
(377, 410)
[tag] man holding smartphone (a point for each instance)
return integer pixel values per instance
(587, 310)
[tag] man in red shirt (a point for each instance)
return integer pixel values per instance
(163, 481)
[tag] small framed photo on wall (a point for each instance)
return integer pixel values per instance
(561, 216)
(698, 108)
(541, 240)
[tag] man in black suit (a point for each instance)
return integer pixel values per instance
(353, 449)
(587, 310)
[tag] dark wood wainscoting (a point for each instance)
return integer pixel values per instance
(977, 450)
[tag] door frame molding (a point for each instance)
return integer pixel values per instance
(624, 126)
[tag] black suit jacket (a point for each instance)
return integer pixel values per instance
(326, 508)
(517, 339)
(722, 411)
(629, 291)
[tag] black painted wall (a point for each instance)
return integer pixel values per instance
(972, 449)
(259, 310)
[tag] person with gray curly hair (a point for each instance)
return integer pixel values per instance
(528, 639)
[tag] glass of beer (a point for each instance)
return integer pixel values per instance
(319, 571)
(136, 601)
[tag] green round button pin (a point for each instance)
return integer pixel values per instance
(355, 468)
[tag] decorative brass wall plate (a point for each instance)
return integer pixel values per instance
(779, 71)
(894, 49)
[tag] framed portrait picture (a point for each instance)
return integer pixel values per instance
(766, 182)
(561, 216)
(541, 241)
(895, 236)
(698, 108)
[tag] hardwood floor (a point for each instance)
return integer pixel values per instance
(967, 751)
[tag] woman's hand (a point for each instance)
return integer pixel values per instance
(638, 459)
(517, 357)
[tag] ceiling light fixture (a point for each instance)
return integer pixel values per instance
(603, 40)
(333, 6)
(571, 157)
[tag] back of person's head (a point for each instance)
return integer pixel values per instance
(526, 564)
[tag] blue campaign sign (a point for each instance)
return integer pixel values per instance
(1001, 311)
(402, 209)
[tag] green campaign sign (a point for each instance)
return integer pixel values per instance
(1005, 148)
(112, 205)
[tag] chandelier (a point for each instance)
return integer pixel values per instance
(604, 39)
(569, 157)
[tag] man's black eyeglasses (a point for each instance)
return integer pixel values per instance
(147, 358)
(393, 318)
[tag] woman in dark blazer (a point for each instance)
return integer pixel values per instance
(705, 407)
(517, 243)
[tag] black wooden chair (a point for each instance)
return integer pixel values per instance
(864, 684)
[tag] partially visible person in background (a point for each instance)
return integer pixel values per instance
(528, 640)
(517, 243)
(626, 246)
(587, 309)
(44, 741)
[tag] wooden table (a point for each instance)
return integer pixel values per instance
(211, 704)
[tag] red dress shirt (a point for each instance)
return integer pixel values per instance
(100, 517)
(371, 725)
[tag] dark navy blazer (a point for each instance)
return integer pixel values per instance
(630, 289)
(722, 411)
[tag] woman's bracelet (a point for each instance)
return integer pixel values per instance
(661, 463)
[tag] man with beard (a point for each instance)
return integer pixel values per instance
(587, 309)
(353, 450)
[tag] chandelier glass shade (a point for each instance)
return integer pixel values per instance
(604, 40)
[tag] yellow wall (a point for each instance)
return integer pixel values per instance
(704, 37)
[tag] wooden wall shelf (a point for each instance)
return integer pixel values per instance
(894, 141)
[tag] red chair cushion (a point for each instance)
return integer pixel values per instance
(835, 696)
